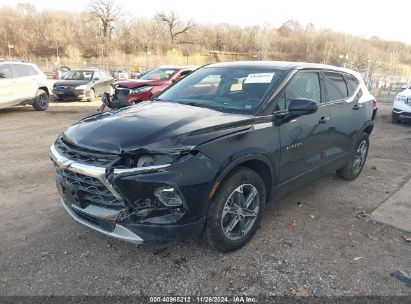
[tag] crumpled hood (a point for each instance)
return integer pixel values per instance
(136, 83)
(154, 126)
(71, 83)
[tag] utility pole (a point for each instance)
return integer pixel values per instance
(10, 46)
(344, 59)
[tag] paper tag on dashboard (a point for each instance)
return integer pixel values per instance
(259, 78)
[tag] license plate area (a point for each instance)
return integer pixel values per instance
(69, 194)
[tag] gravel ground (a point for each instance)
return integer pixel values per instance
(318, 238)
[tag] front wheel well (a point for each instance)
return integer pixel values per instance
(261, 168)
(45, 89)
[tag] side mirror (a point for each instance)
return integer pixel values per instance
(297, 107)
(302, 106)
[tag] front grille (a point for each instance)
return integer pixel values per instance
(103, 224)
(84, 156)
(123, 91)
(406, 114)
(86, 190)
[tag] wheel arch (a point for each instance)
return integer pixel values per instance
(45, 88)
(257, 162)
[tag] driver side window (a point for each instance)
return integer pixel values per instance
(303, 85)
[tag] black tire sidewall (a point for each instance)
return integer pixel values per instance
(214, 232)
(36, 104)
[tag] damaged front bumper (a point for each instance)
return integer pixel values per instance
(120, 202)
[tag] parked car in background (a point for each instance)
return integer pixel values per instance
(401, 109)
(61, 72)
(135, 75)
(205, 160)
(119, 75)
(132, 91)
(22, 83)
(84, 84)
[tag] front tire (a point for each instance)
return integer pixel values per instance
(41, 101)
(92, 95)
(236, 212)
(357, 160)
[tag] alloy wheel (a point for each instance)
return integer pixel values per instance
(240, 212)
(360, 156)
(43, 98)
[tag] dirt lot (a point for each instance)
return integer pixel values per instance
(313, 238)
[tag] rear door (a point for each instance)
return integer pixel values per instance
(25, 81)
(7, 85)
(305, 138)
(346, 114)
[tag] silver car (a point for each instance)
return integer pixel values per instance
(22, 83)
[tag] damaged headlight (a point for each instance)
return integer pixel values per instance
(156, 160)
(140, 90)
(150, 160)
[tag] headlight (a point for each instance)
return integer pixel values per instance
(156, 160)
(149, 160)
(82, 87)
(140, 90)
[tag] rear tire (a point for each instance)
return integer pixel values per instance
(357, 160)
(41, 101)
(236, 212)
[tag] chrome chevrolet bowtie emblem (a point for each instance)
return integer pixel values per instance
(64, 164)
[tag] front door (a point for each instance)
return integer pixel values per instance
(303, 139)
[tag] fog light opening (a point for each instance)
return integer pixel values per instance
(169, 196)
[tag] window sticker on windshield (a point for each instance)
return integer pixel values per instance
(169, 71)
(259, 78)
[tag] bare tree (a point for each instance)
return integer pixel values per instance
(106, 12)
(174, 25)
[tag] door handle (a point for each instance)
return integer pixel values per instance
(323, 120)
(357, 107)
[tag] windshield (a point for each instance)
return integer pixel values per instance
(228, 89)
(159, 74)
(79, 75)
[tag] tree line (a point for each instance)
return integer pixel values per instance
(104, 30)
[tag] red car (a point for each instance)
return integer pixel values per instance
(132, 91)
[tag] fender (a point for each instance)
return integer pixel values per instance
(238, 161)
(367, 124)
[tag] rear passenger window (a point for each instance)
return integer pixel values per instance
(352, 83)
(336, 86)
(303, 85)
(22, 70)
(32, 70)
(6, 71)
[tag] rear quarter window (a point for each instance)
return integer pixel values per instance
(6, 71)
(336, 86)
(352, 83)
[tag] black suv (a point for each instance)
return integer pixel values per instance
(210, 152)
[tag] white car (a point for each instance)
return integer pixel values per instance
(401, 110)
(23, 83)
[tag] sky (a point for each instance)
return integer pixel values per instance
(386, 19)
